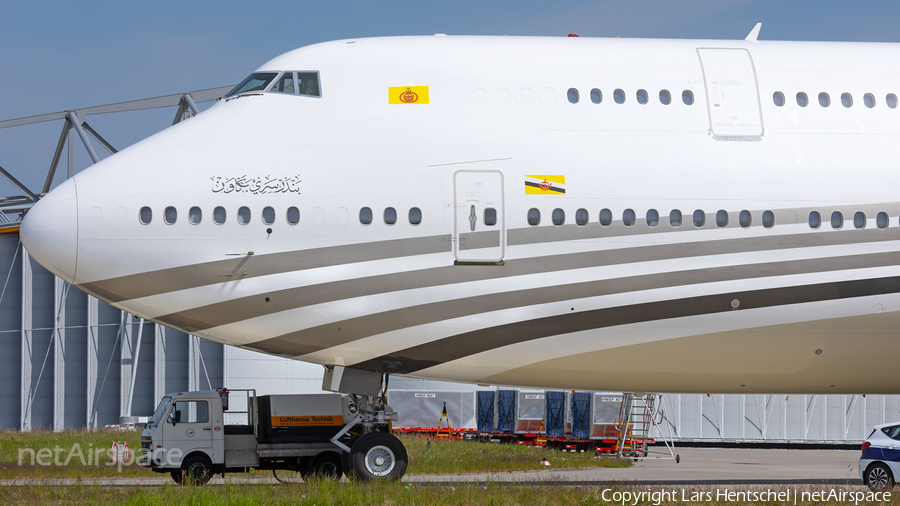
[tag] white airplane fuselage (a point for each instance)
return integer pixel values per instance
(744, 296)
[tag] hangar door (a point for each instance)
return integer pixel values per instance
(732, 93)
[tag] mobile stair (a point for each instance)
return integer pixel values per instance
(638, 416)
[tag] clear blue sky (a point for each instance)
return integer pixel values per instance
(65, 55)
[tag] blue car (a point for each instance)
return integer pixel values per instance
(880, 460)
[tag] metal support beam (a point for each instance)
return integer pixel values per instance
(125, 364)
(27, 343)
(179, 115)
(193, 363)
(71, 144)
(135, 361)
(159, 363)
(61, 292)
(93, 359)
(190, 103)
(99, 138)
(76, 122)
(15, 182)
(56, 155)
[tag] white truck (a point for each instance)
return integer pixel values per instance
(328, 434)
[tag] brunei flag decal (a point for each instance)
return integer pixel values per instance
(545, 185)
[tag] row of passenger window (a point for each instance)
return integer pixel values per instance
(698, 218)
(825, 99)
(665, 97)
(195, 215)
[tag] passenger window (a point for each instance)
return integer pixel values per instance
(722, 218)
(308, 83)
(892, 432)
(699, 218)
(745, 219)
(490, 216)
(652, 218)
(415, 216)
(170, 215)
(891, 100)
(687, 96)
(778, 98)
(293, 216)
(596, 96)
(802, 99)
(768, 219)
(285, 84)
(581, 217)
(642, 97)
(572, 95)
(534, 217)
(824, 99)
(244, 215)
(815, 219)
(881, 220)
(869, 100)
(628, 217)
(665, 98)
(675, 218)
(559, 217)
(146, 215)
(837, 219)
(365, 216)
(268, 215)
(859, 219)
(390, 215)
(195, 215)
(846, 100)
(619, 96)
(219, 215)
(605, 217)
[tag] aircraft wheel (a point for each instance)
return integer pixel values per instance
(378, 456)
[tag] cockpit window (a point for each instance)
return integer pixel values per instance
(309, 83)
(285, 84)
(254, 82)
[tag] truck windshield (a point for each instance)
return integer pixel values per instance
(161, 411)
(255, 82)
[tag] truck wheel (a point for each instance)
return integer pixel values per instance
(196, 469)
(327, 465)
(378, 456)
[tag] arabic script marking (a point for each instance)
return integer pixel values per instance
(257, 186)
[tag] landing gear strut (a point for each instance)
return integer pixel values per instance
(370, 451)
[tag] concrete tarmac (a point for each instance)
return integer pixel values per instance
(698, 466)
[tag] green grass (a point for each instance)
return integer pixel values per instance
(13, 443)
(443, 456)
(325, 493)
(457, 456)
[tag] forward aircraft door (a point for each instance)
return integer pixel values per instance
(732, 94)
(479, 227)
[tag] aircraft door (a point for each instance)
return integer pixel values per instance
(479, 227)
(732, 93)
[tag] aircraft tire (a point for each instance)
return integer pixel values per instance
(378, 456)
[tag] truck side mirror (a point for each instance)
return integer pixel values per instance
(177, 417)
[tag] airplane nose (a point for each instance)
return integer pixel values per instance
(50, 231)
